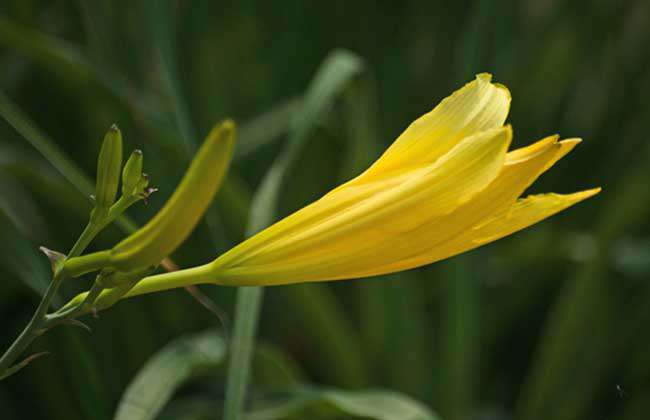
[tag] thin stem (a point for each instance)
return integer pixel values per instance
(38, 323)
(248, 306)
(90, 231)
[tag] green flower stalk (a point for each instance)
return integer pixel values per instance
(178, 217)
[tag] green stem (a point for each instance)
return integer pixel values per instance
(77, 266)
(91, 230)
(38, 323)
(249, 302)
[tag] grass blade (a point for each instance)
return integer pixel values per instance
(338, 68)
(334, 403)
(265, 128)
(41, 142)
(168, 369)
(568, 340)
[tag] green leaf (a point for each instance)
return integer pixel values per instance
(265, 128)
(459, 340)
(23, 259)
(571, 351)
(41, 142)
(331, 403)
(48, 148)
(336, 71)
(166, 371)
(55, 53)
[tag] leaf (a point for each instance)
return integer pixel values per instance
(166, 371)
(41, 142)
(336, 71)
(393, 317)
(338, 68)
(332, 403)
(55, 53)
(18, 366)
(23, 259)
(573, 357)
(265, 128)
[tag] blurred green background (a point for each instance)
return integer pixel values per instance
(550, 323)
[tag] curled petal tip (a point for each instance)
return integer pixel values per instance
(583, 195)
(593, 191)
(485, 77)
(228, 124)
(573, 140)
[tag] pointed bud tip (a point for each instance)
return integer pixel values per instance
(55, 257)
(113, 128)
(137, 152)
(228, 124)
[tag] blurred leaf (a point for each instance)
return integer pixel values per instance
(458, 365)
(88, 384)
(337, 69)
(331, 403)
(569, 343)
(19, 206)
(54, 53)
(275, 369)
(46, 185)
(632, 257)
(318, 311)
(393, 321)
(52, 153)
(265, 128)
(160, 15)
(23, 259)
(166, 371)
(44, 145)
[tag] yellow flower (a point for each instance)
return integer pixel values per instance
(447, 185)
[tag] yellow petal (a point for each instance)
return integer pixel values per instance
(480, 105)
(429, 240)
(523, 213)
(307, 246)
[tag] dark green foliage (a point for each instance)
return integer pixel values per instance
(548, 324)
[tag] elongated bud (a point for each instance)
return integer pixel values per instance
(132, 173)
(109, 164)
(180, 214)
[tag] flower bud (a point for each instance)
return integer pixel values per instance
(132, 173)
(108, 168)
(180, 214)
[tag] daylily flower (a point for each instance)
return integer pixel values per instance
(447, 185)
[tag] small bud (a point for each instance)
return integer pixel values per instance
(56, 258)
(109, 164)
(180, 214)
(132, 173)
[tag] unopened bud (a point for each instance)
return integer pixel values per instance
(180, 214)
(132, 173)
(109, 164)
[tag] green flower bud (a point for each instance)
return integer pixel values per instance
(109, 164)
(180, 214)
(132, 173)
